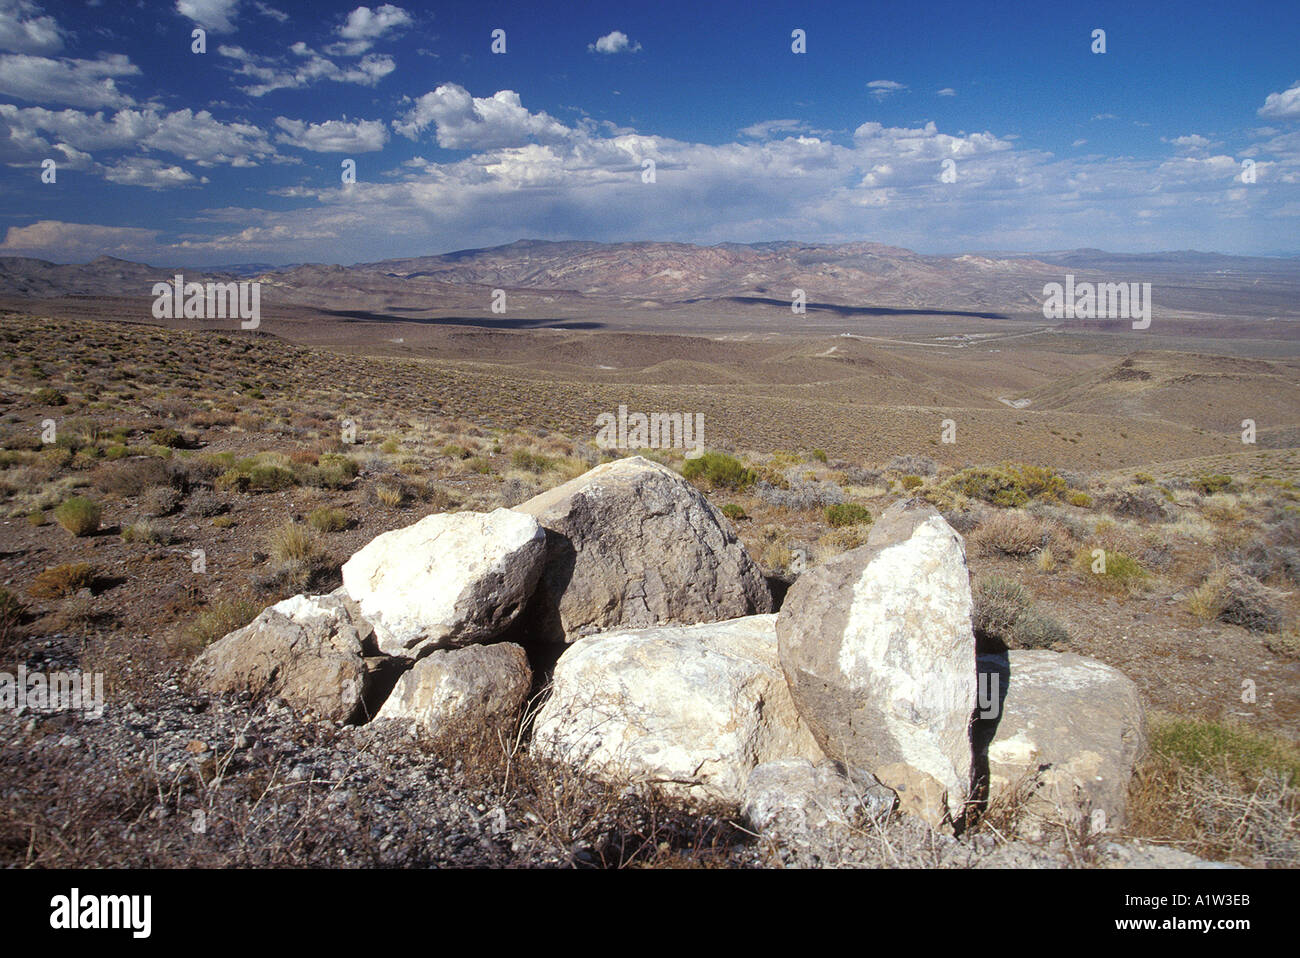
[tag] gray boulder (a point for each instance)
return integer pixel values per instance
(460, 691)
(449, 580)
(313, 651)
(1071, 730)
(691, 709)
(878, 650)
(794, 799)
(631, 544)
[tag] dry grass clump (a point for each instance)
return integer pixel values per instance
(326, 519)
(1230, 595)
(63, 580)
(1219, 790)
(1015, 533)
(79, 516)
(1004, 613)
(1112, 570)
(216, 621)
(148, 531)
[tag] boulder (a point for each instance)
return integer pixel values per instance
(1070, 733)
(313, 651)
(455, 691)
(878, 650)
(692, 709)
(631, 544)
(449, 580)
(795, 799)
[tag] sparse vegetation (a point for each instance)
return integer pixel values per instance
(1004, 613)
(63, 580)
(79, 516)
(847, 514)
(719, 471)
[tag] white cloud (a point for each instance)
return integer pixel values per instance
(86, 83)
(197, 137)
(947, 91)
(203, 139)
(215, 15)
(272, 74)
(25, 29)
(465, 122)
(79, 239)
(1282, 106)
(883, 88)
(333, 136)
(1192, 142)
(769, 128)
(616, 41)
(364, 26)
(1104, 116)
(143, 171)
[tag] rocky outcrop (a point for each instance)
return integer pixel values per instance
(691, 708)
(313, 651)
(462, 692)
(447, 581)
(1069, 735)
(794, 799)
(631, 544)
(878, 650)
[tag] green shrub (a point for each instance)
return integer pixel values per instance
(45, 396)
(1220, 746)
(911, 482)
(529, 462)
(1080, 499)
(232, 480)
(326, 519)
(1119, 572)
(847, 514)
(995, 486)
(819, 455)
(719, 470)
(268, 478)
(170, 438)
(220, 619)
(734, 512)
(1208, 485)
(78, 515)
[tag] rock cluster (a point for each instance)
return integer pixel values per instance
(860, 696)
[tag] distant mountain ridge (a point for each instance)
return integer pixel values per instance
(663, 274)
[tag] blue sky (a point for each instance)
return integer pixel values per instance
(236, 154)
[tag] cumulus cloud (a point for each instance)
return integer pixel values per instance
(1282, 106)
(85, 83)
(883, 88)
(309, 67)
(616, 41)
(364, 26)
(84, 240)
(215, 15)
(24, 28)
(770, 128)
(333, 136)
(1191, 143)
(197, 137)
(466, 122)
(143, 171)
